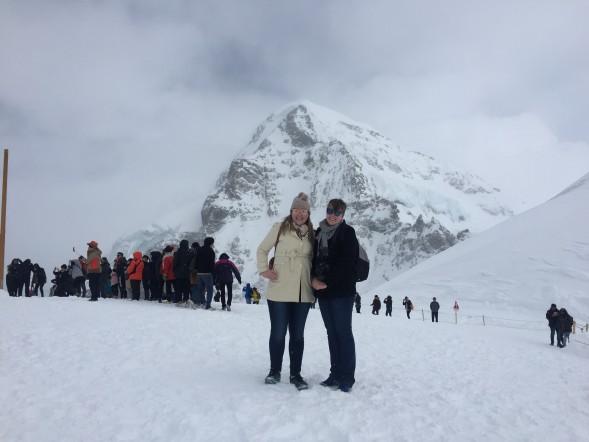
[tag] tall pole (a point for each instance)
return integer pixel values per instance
(3, 217)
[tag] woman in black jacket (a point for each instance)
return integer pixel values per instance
(333, 274)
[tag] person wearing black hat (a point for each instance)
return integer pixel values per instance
(434, 306)
(552, 318)
(224, 271)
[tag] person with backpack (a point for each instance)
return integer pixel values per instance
(256, 295)
(289, 292)
(247, 293)
(205, 268)
(182, 259)
(388, 302)
(94, 260)
(224, 271)
(334, 275)
(434, 307)
(564, 327)
(358, 302)
(375, 305)
(408, 306)
(120, 267)
(39, 279)
(552, 318)
(135, 275)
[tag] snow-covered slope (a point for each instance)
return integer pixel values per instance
(405, 206)
(117, 370)
(525, 263)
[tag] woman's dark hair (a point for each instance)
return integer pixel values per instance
(337, 204)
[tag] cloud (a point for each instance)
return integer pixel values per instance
(117, 112)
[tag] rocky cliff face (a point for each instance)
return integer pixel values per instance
(389, 192)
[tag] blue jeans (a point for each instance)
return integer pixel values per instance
(291, 315)
(337, 317)
(205, 283)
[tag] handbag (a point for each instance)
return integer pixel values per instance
(271, 262)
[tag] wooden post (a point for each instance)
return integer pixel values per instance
(3, 217)
(574, 326)
(484, 320)
(455, 316)
(422, 315)
(587, 328)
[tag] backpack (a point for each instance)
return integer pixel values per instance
(362, 264)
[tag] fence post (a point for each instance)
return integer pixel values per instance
(455, 316)
(587, 328)
(574, 326)
(484, 320)
(422, 315)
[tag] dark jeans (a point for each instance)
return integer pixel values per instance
(182, 286)
(435, 316)
(291, 315)
(157, 288)
(170, 290)
(389, 312)
(229, 287)
(80, 285)
(122, 284)
(94, 282)
(147, 289)
(135, 289)
(408, 314)
(205, 283)
(337, 317)
(38, 288)
(552, 332)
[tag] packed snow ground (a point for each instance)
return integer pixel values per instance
(119, 370)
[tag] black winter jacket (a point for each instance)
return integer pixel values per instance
(434, 306)
(205, 260)
(342, 257)
(182, 259)
(156, 263)
(552, 316)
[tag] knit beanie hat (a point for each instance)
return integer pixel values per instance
(301, 202)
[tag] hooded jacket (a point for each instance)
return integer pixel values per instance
(225, 269)
(135, 269)
(182, 259)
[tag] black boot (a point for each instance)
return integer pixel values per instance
(330, 382)
(273, 377)
(299, 382)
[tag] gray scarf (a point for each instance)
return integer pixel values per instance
(325, 234)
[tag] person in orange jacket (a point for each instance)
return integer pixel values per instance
(168, 272)
(135, 274)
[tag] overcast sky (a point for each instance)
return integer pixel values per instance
(116, 112)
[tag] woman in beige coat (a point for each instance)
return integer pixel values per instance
(289, 291)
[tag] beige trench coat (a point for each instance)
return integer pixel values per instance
(292, 262)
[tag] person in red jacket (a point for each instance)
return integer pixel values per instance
(135, 274)
(168, 272)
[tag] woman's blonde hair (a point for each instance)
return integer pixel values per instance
(288, 224)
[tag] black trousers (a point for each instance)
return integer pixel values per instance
(229, 287)
(157, 288)
(182, 286)
(552, 332)
(94, 282)
(147, 289)
(122, 284)
(389, 312)
(435, 316)
(170, 290)
(408, 314)
(135, 289)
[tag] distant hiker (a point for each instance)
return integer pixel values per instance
(94, 260)
(224, 271)
(168, 272)
(456, 307)
(289, 294)
(39, 279)
(193, 276)
(408, 306)
(256, 295)
(375, 305)
(358, 302)
(120, 266)
(114, 283)
(552, 317)
(77, 276)
(434, 306)
(247, 293)
(105, 287)
(564, 327)
(182, 258)
(334, 272)
(135, 275)
(388, 302)
(12, 277)
(147, 276)
(157, 280)
(205, 267)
